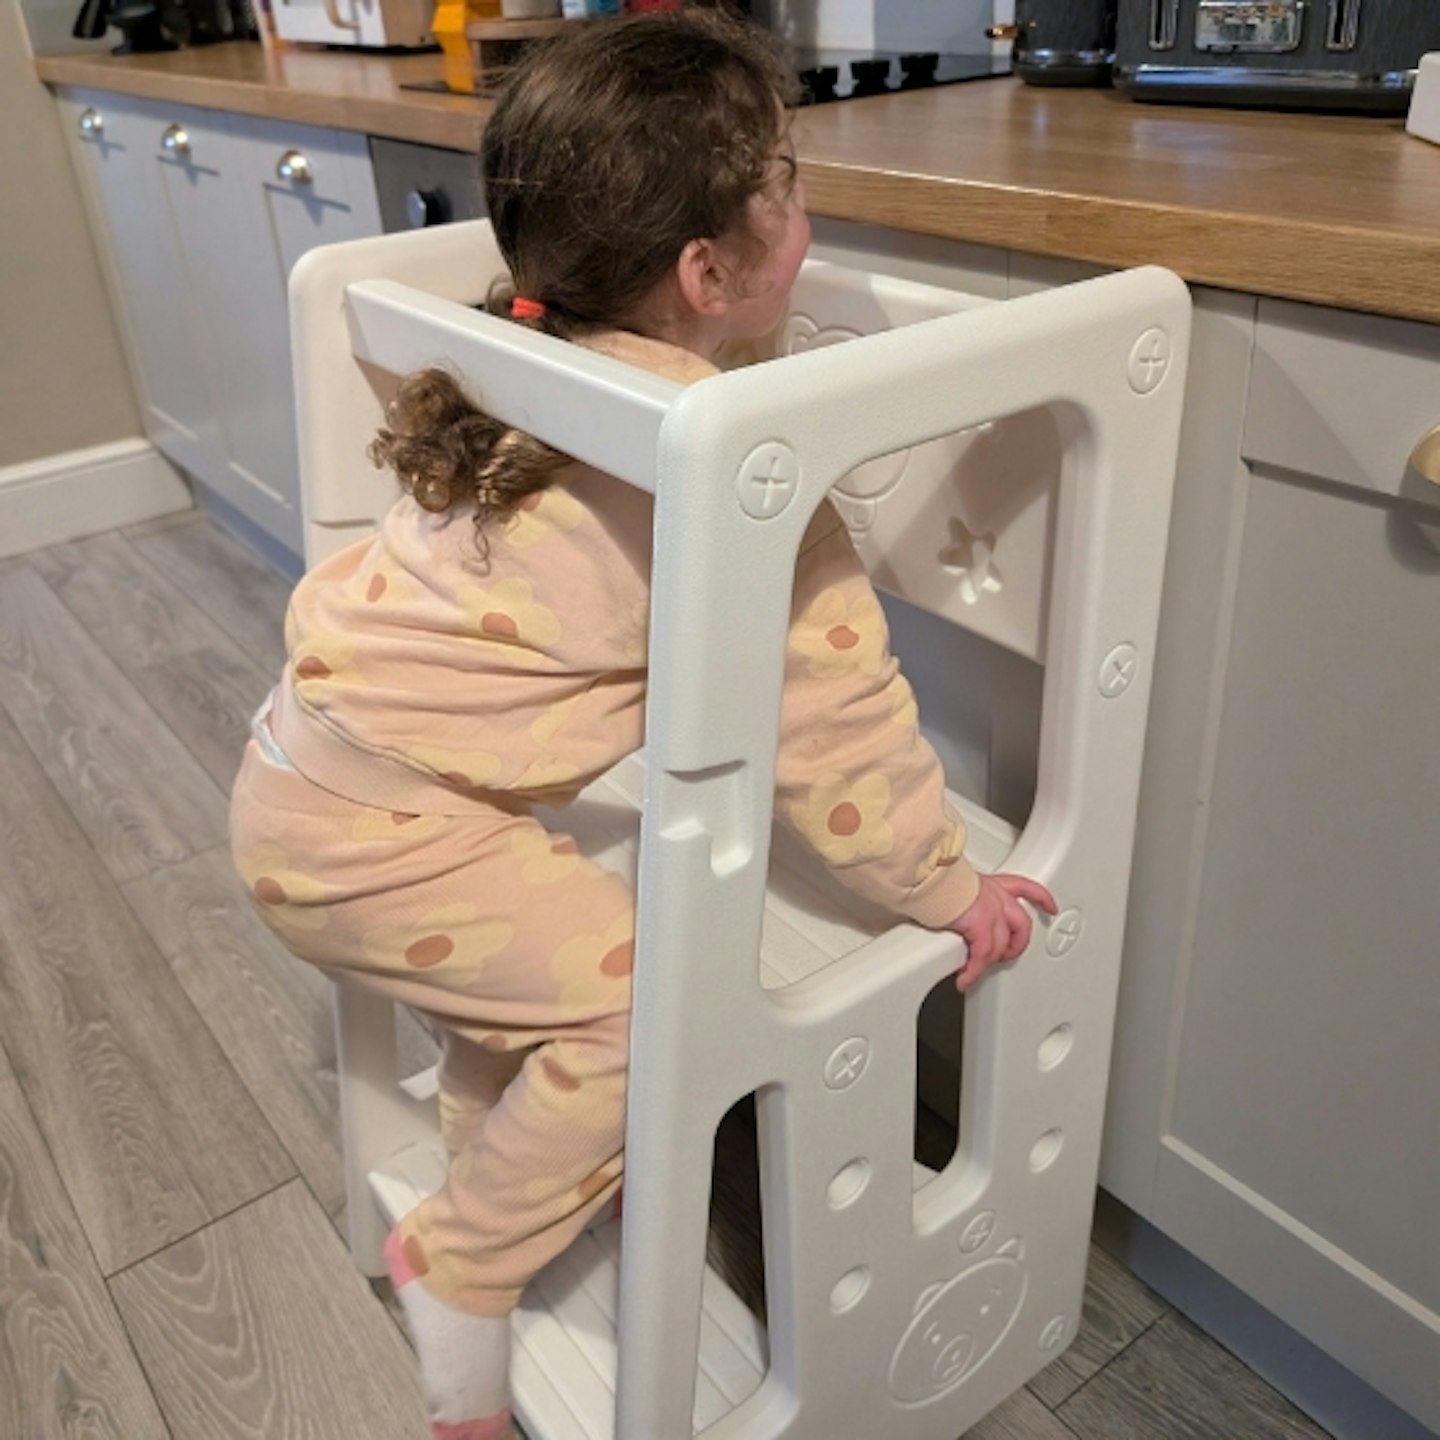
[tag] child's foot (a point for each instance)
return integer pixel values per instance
(464, 1358)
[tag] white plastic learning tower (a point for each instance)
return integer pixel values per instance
(900, 1303)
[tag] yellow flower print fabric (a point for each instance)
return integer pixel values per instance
(329, 658)
(540, 516)
(591, 961)
(285, 895)
(455, 936)
(509, 614)
(842, 631)
(854, 777)
(521, 949)
(546, 859)
(432, 673)
(844, 821)
(437, 687)
(466, 769)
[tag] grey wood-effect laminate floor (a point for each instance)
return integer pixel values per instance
(170, 1189)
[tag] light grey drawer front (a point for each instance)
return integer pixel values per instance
(1342, 396)
(311, 163)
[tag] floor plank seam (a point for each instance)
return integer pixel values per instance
(44, 1139)
(1085, 1385)
(119, 664)
(334, 1220)
(182, 998)
(1077, 1392)
(218, 619)
(139, 1361)
(200, 1229)
(183, 546)
(1066, 1427)
(392, 1312)
(83, 1235)
(1090, 1379)
(200, 1015)
(9, 953)
(1139, 1335)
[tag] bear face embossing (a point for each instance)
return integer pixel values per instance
(957, 1326)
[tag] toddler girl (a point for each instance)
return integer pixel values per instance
(485, 654)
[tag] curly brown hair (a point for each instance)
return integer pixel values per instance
(610, 150)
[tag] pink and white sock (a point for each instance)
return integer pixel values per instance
(464, 1358)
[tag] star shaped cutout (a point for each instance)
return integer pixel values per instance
(972, 558)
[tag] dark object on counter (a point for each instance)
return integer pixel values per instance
(143, 27)
(1062, 42)
(140, 23)
(153, 25)
(422, 185)
(1355, 55)
(828, 75)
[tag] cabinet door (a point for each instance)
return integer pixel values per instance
(240, 299)
(294, 187)
(1303, 1153)
(309, 186)
(114, 143)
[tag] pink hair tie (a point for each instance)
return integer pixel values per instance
(523, 309)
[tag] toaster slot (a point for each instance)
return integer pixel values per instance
(1342, 27)
(1164, 23)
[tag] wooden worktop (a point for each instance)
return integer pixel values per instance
(1337, 210)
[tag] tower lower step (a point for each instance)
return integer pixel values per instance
(563, 1366)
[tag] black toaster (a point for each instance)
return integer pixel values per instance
(1061, 42)
(1356, 55)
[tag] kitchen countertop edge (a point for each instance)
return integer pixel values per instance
(1229, 249)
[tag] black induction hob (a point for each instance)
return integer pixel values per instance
(852, 74)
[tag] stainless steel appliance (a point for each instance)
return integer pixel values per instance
(1356, 55)
(149, 25)
(849, 49)
(853, 74)
(1061, 42)
(421, 185)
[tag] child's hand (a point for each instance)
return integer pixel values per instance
(996, 927)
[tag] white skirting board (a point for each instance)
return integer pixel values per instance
(81, 492)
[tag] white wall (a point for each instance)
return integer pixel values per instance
(63, 379)
(50, 23)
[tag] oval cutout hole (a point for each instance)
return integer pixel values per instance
(849, 1289)
(1056, 1046)
(849, 1184)
(1045, 1149)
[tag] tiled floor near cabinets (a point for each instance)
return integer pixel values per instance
(169, 1176)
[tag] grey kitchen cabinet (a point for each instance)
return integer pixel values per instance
(1274, 1100)
(1276, 1092)
(203, 224)
(115, 141)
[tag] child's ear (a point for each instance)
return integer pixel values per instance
(704, 277)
